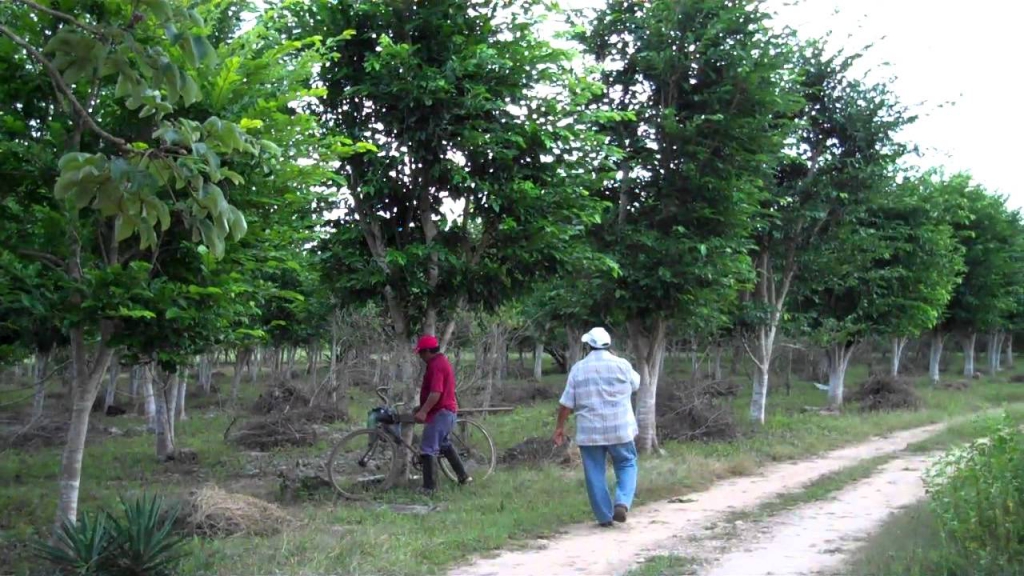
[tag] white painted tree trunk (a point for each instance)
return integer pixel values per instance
(180, 404)
(898, 345)
(114, 372)
(649, 345)
(1000, 337)
(935, 357)
(993, 353)
(241, 357)
(538, 361)
(133, 382)
(968, 341)
(838, 360)
(1009, 350)
(39, 368)
(85, 387)
(762, 356)
(165, 399)
(148, 397)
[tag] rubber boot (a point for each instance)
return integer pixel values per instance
(452, 456)
(429, 478)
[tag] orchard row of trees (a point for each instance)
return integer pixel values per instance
(184, 179)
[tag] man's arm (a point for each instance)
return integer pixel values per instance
(563, 415)
(432, 399)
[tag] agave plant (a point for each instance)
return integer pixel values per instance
(143, 542)
(79, 548)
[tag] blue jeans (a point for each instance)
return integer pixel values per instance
(435, 433)
(594, 470)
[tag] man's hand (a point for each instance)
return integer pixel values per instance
(421, 416)
(559, 437)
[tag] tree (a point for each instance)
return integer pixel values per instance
(470, 186)
(111, 188)
(705, 82)
(843, 150)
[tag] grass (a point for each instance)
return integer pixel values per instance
(512, 506)
(908, 544)
(665, 565)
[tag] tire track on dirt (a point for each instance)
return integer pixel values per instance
(655, 528)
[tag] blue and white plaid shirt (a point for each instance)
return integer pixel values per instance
(598, 391)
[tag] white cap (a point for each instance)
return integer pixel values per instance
(598, 338)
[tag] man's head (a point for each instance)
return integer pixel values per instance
(598, 339)
(427, 347)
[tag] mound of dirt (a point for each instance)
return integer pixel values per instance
(523, 393)
(274, 431)
(958, 385)
(280, 398)
(214, 513)
(695, 411)
(882, 393)
(539, 450)
(47, 433)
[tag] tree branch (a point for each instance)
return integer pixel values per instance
(62, 16)
(47, 258)
(65, 90)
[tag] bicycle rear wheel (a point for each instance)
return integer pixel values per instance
(474, 446)
(363, 463)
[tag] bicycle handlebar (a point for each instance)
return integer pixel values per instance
(382, 396)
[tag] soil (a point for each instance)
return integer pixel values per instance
(803, 542)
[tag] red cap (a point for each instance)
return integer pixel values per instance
(426, 342)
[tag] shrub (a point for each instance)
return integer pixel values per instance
(976, 492)
(140, 543)
(883, 393)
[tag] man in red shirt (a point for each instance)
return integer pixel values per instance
(438, 410)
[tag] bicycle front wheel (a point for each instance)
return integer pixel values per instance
(475, 447)
(363, 463)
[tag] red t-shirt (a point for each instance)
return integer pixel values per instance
(439, 377)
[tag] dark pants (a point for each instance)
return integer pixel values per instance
(435, 433)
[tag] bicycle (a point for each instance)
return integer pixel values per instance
(367, 460)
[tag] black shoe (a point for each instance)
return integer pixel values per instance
(452, 456)
(429, 480)
(606, 524)
(620, 513)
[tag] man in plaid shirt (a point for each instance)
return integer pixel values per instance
(599, 391)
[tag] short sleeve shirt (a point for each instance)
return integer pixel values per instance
(599, 392)
(439, 377)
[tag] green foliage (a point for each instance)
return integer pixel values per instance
(975, 493)
(140, 543)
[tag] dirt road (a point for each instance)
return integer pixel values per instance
(662, 527)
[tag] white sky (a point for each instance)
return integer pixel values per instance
(937, 51)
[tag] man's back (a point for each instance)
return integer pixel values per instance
(598, 391)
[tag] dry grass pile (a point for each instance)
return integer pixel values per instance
(214, 513)
(538, 451)
(275, 431)
(695, 411)
(884, 393)
(280, 398)
(1017, 378)
(46, 433)
(524, 393)
(957, 385)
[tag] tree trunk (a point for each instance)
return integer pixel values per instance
(39, 369)
(133, 383)
(291, 362)
(255, 363)
(649, 346)
(149, 398)
(180, 396)
(838, 360)
(241, 358)
(1009, 350)
(574, 352)
(1000, 336)
(935, 357)
(205, 376)
(538, 361)
(165, 400)
(789, 372)
(993, 353)
(762, 355)
(717, 371)
(968, 341)
(898, 344)
(115, 372)
(85, 388)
